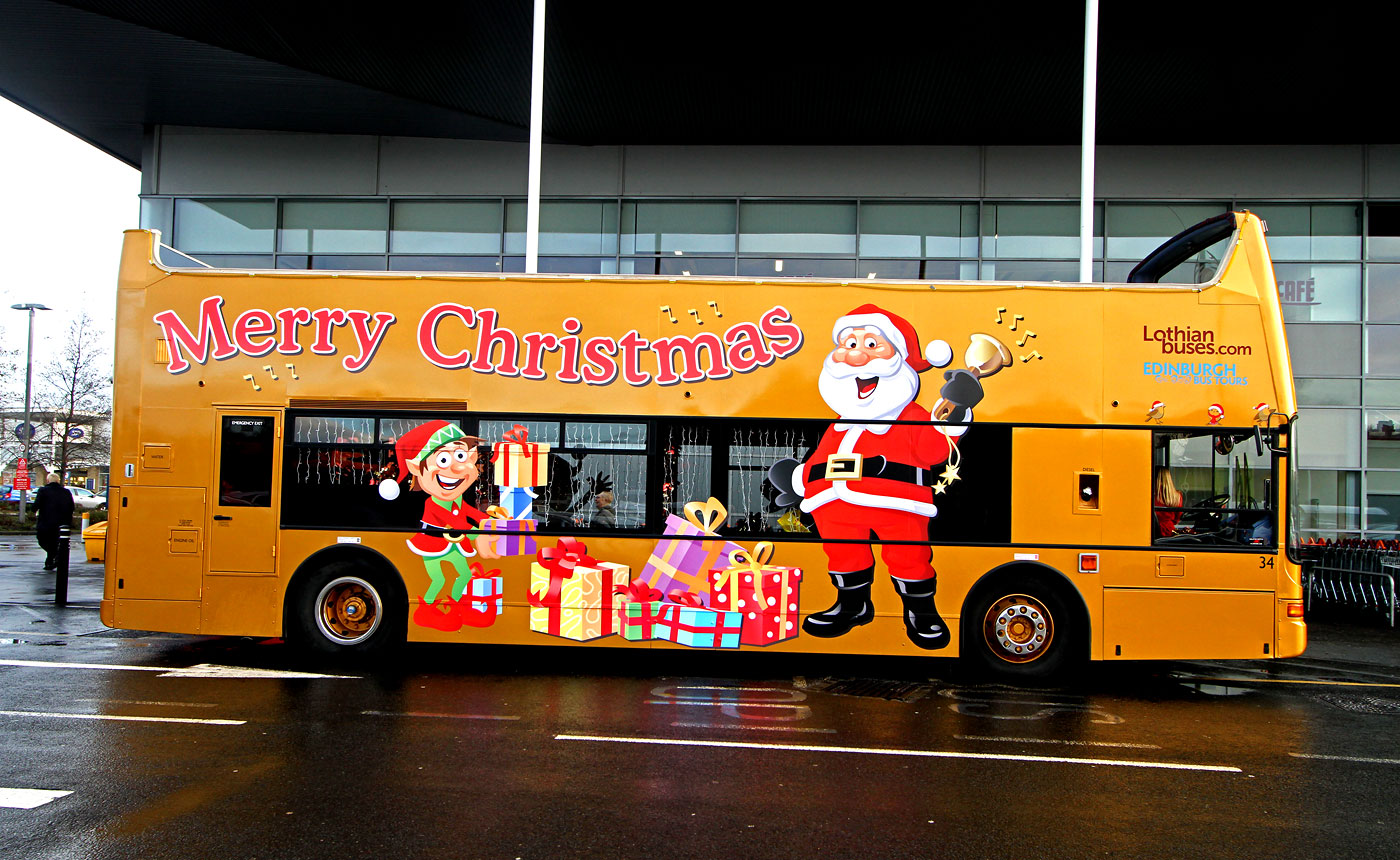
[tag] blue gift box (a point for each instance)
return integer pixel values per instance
(487, 590)
(518, 501)
(698, 627)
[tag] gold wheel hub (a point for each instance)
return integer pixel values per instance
(1018, 628)
(347, 610)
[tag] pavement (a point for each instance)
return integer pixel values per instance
(24, 581)
(1337, 638)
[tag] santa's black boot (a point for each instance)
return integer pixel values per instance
(921, 619)
(852, 608)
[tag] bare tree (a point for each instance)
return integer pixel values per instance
(76, 390)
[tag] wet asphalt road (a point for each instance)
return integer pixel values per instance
(538, 753)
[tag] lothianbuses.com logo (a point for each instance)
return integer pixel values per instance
(1176, 340)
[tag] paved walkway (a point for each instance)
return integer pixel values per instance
(23, 579)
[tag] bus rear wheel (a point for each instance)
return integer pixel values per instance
(344, 609)
(1021, 629)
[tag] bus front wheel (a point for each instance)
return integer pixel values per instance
(1021, 629)
(345, 609)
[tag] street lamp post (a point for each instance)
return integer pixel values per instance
(28, 379)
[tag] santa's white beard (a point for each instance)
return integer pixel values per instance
(896, 387)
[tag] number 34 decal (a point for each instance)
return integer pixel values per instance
(1266, 561)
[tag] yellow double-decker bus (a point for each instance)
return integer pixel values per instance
(1027, 475)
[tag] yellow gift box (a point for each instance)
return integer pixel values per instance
(581, 605)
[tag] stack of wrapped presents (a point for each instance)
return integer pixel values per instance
(520, 466)
(697, 589)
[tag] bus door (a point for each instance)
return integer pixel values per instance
(243, 529)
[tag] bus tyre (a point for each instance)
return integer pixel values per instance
(345, 609)
(1022, 629)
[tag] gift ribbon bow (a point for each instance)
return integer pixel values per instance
(480, 617)
(560, 560)
(519, 433)
(496, 512)
(687, 598)
(706, 516)
(639, 592)
(741, 561)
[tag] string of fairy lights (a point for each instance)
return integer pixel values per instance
(594, 456)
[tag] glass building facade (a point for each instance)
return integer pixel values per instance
(1337, 265)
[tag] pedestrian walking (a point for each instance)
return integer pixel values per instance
(54, 507)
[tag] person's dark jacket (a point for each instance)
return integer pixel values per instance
(53, 505)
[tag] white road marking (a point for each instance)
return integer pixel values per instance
(203, 670)
(1122, 744)
(740, 689)
(28, 798)
(1352, 758)
(439, 716)
(209, 670)
(44, 664)
(1161, 765)
(121, 718)
(720, 703)
(752, 727)
(144, 702)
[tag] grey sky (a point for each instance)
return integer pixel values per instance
(66, 205)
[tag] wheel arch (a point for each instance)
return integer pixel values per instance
(375, 563)
(1052, 577)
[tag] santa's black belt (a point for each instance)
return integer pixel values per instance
(854, 467)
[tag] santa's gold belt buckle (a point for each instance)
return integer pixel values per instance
(845, 467)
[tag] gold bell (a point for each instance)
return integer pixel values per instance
(986, 355)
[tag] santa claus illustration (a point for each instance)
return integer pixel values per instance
(870, 479)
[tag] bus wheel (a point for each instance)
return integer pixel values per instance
(1021, 629)
(344, 610)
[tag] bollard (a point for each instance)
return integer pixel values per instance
(60, 589)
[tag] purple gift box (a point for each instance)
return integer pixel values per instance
(516, 536)
(680, 563)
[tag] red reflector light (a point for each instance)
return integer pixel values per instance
(1088, 562)
(1295, 610)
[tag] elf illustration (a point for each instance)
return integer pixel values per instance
(441, 460)
(868, 480)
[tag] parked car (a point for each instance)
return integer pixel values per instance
(86, 500)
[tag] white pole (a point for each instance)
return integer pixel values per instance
(28, 421)
(532, 204)
(1086, 146)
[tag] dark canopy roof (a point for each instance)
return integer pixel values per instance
(719, 72)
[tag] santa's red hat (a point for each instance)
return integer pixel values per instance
(417, 444)
(899, 332)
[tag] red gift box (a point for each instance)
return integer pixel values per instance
(766, 594)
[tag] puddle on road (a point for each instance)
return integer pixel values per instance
(1217, 689)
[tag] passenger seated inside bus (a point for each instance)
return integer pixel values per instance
(1165, 495)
